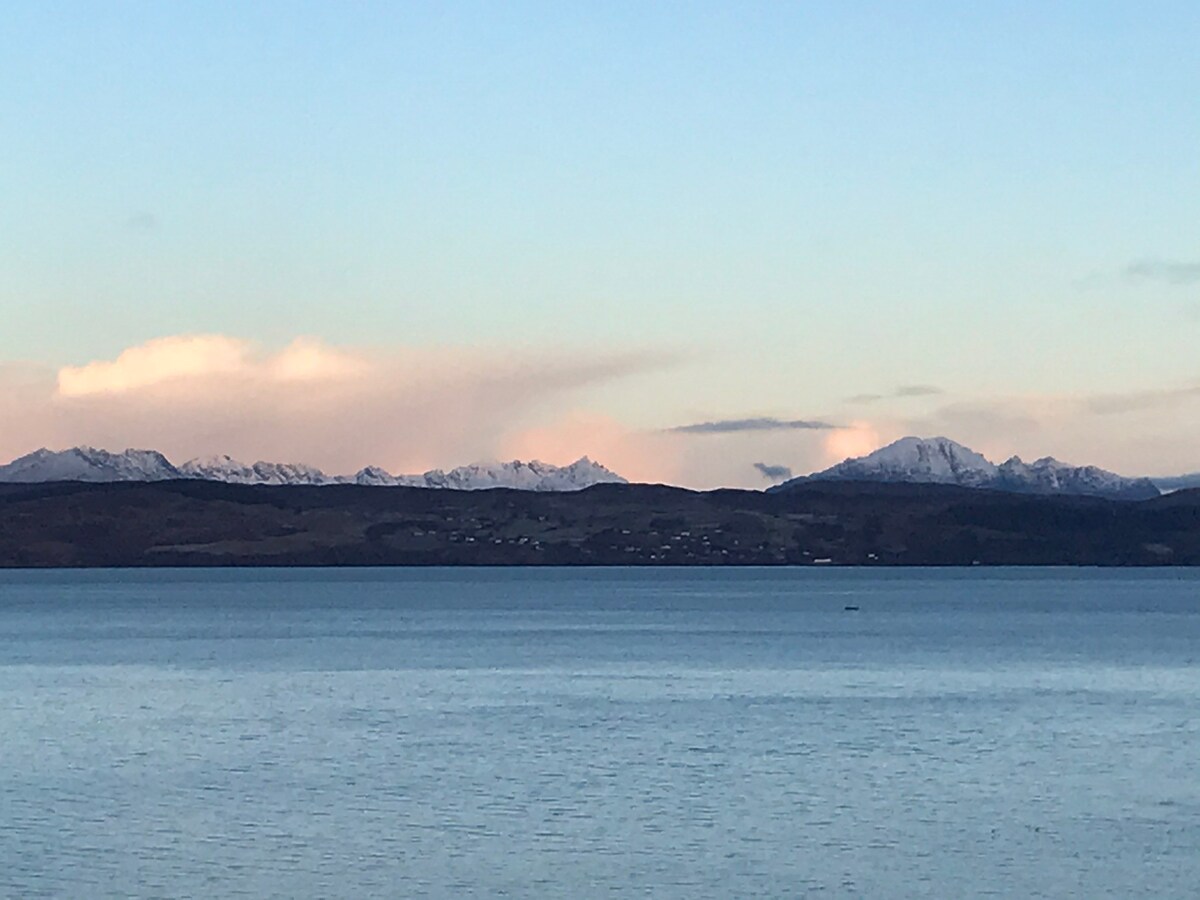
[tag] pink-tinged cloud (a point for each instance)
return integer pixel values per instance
(158, 361)
(1145, 432)
(181, 358)
(340, 409)
(409, 410)
(641, 456)
(856, 439)
(664, 456)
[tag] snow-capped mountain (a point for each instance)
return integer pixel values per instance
(1049, 476)
(530, 476)
(227, 469)
(373, 476)
(943, 461)
(933, 461)
(88, 464)
(523, 476)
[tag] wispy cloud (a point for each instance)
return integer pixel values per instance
(901, 392)
(917, 390)
(773, 473)
(1164, 271)
(1136, 401)
(762, 423)
(142, 221)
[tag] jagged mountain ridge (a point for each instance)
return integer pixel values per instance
(943, 461)
(89, 464)
(232, 471)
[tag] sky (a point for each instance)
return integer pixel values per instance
(702, 243)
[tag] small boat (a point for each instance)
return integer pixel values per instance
(850, 608)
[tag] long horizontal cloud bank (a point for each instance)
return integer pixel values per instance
(407, 409)
(765, 423)
(1165, 271)
(413, 409)
(340, 409)
(903, 392)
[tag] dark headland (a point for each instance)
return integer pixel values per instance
(195, 523)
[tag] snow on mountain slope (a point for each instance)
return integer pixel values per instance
(1049, 476)
(942, 461)
(219, 468)
(932, 461)
(87, 464)
(530, 476)
(227, 469)
(524, 476)
(373, 476)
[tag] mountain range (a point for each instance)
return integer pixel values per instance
(88, 464)
(910, 460)
(940, 460)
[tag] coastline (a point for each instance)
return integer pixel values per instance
(828, 525)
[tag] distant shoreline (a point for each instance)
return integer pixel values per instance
(212, 524)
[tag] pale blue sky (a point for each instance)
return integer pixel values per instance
(815, 200)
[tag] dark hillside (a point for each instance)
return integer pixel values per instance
(209, 523)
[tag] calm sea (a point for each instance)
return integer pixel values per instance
(600, 733)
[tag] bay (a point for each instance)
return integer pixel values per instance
(600, 732)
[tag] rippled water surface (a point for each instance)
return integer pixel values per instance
(595, 733)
